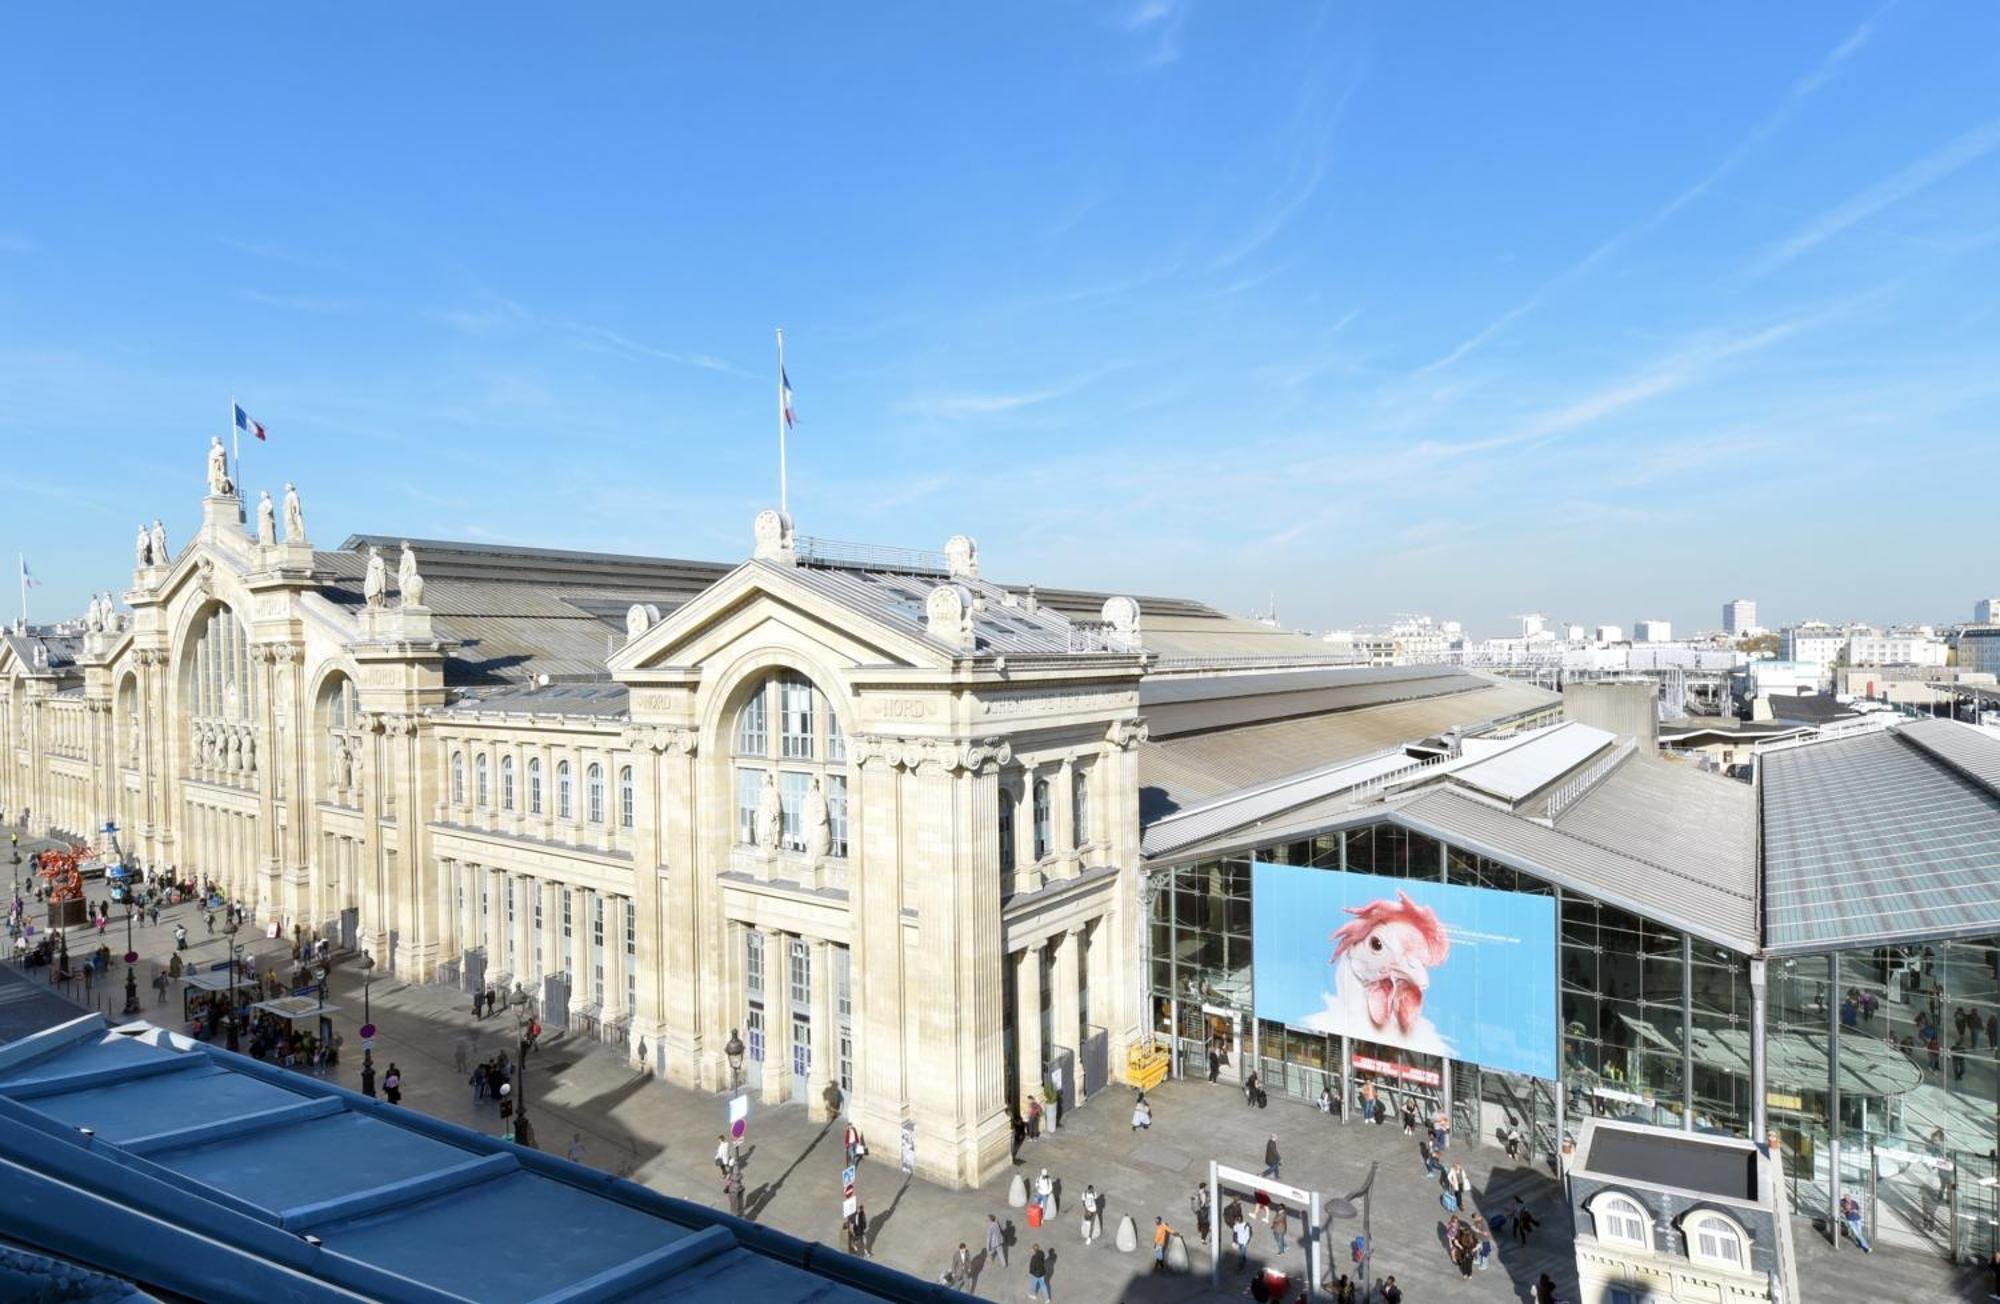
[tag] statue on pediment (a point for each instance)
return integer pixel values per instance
(295, 515)
(219, 483)
(375, 586)
(267, 520)
(818, 830)
(770, 815)
(408, 582)
(142, 550)
(161, 555)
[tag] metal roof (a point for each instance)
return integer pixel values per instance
(1880, 837)
(204, 1174)
(1716, 900)
(1530, 762)
(1191, 704)
(609, 700)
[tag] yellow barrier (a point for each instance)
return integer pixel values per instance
(1146, 1065)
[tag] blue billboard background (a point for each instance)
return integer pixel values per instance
(1468, 972)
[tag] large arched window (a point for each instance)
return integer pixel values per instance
(479, 789)
(506, 783)
(625, 811)
(458, 778)
(1621, 1220)
(339, 708)
(807, 748)
(1045, 838)
(1080, 804)
(565, 808)
(593, 780)
(219, 697)
(1716, 1240)
(534, 785)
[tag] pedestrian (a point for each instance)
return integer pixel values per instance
(478, 1005)
(1409, 1117)
(996, 1241)
(208, 917)
(1510, 1137)
(1214, 1063)
(1279, 1226)
(1241, 1235)
(1055, 1091)
(459, 1057)
(1524, 1222)
(1161, 1234)
(1441, 1131)
(160, 986)
(1457, 1184)
(857, 1230)
(1142, 1113)
(392, 1085)
(1045, 1193)
(1271, 1156)
(732, 1187)
(1464, 1248)
(1093, 1223)
(1483, 1259)
(1326, 1099)
(723, 1158)
(477, 1079)
(1545, 1290)
(1034, 1118)
(1251, 1089)
(1038, 1273)
(1850, 1217)
(1391, 1292)
(180, 937)
(852, 1144)
(576, 1147)
(960, 1275)
(1198, 1205)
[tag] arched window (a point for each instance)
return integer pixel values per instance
(1079, 790)
(506, 783)
(806, 745)
(1621, 1220)
(458, 778)
(1006, 800)
(1716, 1241)
(1044, 828)
(625, 811)
(593, 780)
(753, 727)
(479, 780)
(534, 785)
(564, 808)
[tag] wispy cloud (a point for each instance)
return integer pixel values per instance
(966, 406)
(1159, 22)
(478, 321)
(618, 342)
(1822, 73)
(272, 252)
(293, 302)
(503, 313)
(1925, 172)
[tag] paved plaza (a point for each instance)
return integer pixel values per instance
(665, 1137)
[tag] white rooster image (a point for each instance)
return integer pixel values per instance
(1382, 961)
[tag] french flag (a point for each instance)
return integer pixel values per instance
(785, 394)
(245, 424)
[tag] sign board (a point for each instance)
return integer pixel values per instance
(368, 1031)
(131, 957)
(1401, 1072)
(739, 1115)
(847, 1206)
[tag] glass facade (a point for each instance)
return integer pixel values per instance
(1654, 1023)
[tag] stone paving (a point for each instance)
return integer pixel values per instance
(629, 1123)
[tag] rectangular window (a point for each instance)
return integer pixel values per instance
(569, 929)
(753, 962)
(753, 731)
(597, 945)
(843, 983)
(846, 1061)
(795, 707)
(802, 1053)
(792, 800)
(753, 1027)
(749, 786)
(836, 814)
(631, 956)
(802, 982)
(836, 741)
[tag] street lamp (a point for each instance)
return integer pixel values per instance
(523, 1016)
(235, 951)
(367, 976)
(319, 977)
(733, 1048)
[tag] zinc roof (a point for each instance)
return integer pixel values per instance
(1883, 836)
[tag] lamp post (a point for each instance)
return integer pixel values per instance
(367, 977)
(319, 977)
(733, 1049)
(235, 953)
(523, 1016)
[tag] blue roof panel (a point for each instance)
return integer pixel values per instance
(285, 1167)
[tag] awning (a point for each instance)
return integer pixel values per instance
(294, 1008)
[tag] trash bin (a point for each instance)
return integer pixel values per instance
(1035, 1214)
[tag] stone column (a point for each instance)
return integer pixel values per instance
(825, 1046)
(583, 983)
(1028, 1022)
(496, 923)
(613, 996)
(694, 1004)
(525, 892)
(877, 876)
(777, 1017)
(1067, 1006)
(1064, 795)
(552, 934)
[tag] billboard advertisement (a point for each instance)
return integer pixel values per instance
(1465, 972)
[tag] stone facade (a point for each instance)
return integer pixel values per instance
(937, 901)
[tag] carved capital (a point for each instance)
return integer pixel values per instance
(988, 754)
(1125, 734)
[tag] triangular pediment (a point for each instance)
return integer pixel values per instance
(766, 601)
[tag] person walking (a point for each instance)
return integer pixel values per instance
(180, 937)
(852, 1144)
(507, 1110)
(1214, 1061)
(392, 1085)
(1391, 1293)
(1409, 1117)
(1545, 1290)
(959, 1277)
(724, 1158)
(1093, 1223)
(1038, 1273)
(1271, 1156)
(996, 1242)
(459, 1056)
(1279, 1227)
(1045, 1193)
(1240, 1234)
(1524, 1222)
(1142, 1113)
(1198, 1205)
(1161, 1235)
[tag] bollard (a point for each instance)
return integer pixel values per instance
(1017, 1192)
(1177, 1255)
(1128, 1235)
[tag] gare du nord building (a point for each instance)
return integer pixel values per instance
(917, 837)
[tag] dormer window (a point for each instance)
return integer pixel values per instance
(1621, 1220)
(1716, 1240)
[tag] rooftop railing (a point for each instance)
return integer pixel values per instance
(815, 551)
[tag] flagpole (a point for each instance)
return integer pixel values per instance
(21, 559)
(784, 508)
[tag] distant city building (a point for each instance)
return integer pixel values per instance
(1575, 634)
(1986, 611)
(1652, 631)
(1896, 647)
(1534, 625)
(1813, 641)
(1610, 634)
(1410, 641)
(1979, 650)
(1739, 617)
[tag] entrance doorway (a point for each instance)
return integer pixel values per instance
(1222, 1033)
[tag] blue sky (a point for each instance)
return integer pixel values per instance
(1464, 309)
